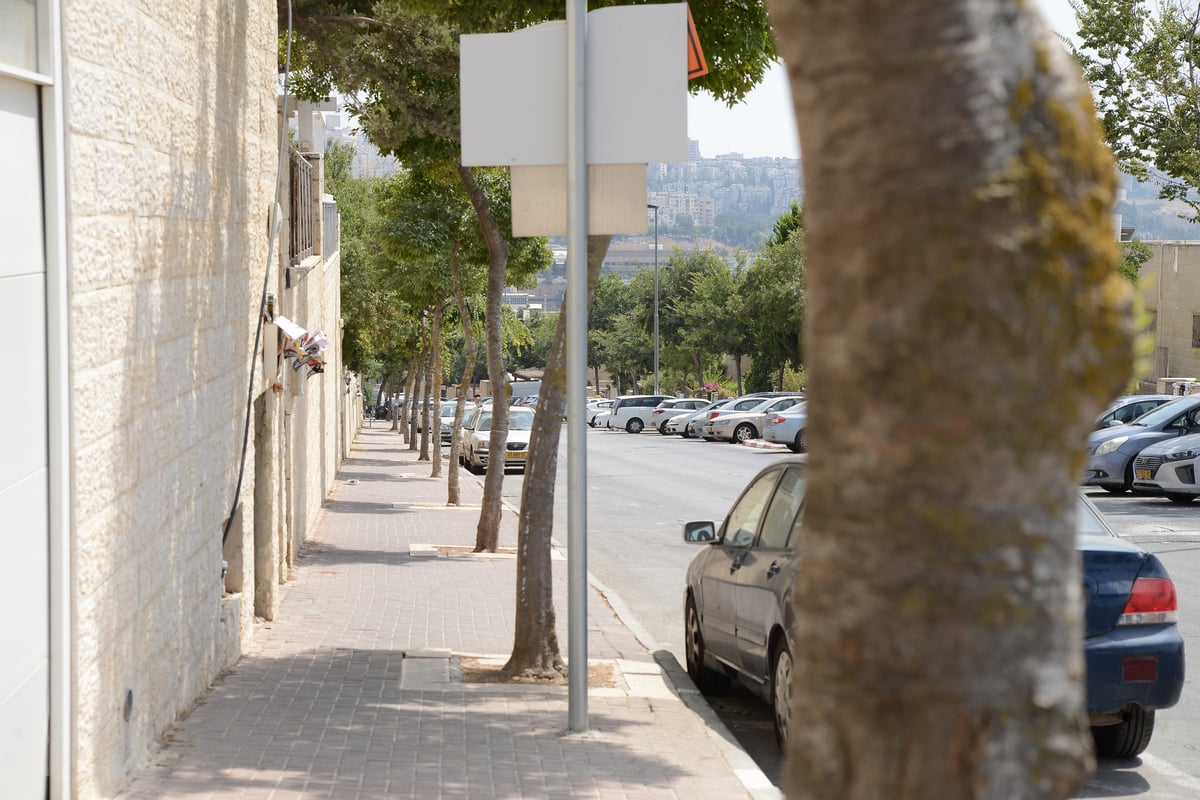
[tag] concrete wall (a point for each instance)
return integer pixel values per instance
(1170, 287)
(171, 150)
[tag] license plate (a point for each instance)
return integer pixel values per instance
(1142, 474)
(515, 454)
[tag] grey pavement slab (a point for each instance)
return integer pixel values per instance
(356, 690)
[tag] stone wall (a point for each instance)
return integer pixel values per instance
(171, 151)
(1169, 284)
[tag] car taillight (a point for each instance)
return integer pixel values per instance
(777, 420)
(712, 415)
(1151, 601)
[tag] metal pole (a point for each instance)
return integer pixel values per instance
(577, 269)
(651, 205)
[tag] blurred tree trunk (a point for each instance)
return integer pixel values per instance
(431, 440)
(535, 641)
(961, 274)
(413, 400)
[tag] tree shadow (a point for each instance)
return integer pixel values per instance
(319, 722)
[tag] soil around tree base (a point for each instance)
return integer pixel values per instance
(477, 670)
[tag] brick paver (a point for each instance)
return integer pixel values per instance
(354, 692)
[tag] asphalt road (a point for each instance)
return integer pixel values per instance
(641, 489)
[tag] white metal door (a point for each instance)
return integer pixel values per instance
(24, 474)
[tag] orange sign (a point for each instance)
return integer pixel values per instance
(697, 66)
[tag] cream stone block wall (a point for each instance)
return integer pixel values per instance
(171, 149)
(1170, 286)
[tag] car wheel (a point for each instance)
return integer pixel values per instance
(744, 433)
(800, 443)
(1176, 497)
(781, 693)
(592, 422)
(662, 429)
(706, 680)
(686, 433)
(634, 425)
(1127, 738)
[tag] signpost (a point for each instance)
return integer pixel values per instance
(579, 140)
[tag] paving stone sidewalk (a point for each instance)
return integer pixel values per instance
(357, 689)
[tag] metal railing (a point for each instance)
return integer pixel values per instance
(303, 209)
(330, 228)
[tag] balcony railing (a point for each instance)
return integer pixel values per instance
(330, 227)
(303, 210)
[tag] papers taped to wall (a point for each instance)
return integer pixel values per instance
(303, 349)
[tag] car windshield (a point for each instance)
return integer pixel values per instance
(1166, 412)
(520, 422)
(1088, 520)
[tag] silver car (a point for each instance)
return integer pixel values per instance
(682, 423)
(788, 427)
(742, 426)
(665, 411)
(743, 403)
(477, 431)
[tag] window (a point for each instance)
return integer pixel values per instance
(742, 524)
(785, 505)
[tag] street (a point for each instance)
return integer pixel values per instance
(642, 488)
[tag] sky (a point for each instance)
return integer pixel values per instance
(764, 125)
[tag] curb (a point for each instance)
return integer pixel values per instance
(760, 444)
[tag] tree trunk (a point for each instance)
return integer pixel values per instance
(414, 399)
(464, 389)
(535, 643)
(737, 368)
(699, 369)
(435, 421)
(938, 598)
(487, 532)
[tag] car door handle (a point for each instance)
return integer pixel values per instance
(773, 569)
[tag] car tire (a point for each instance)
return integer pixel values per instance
(1127, 738)
(800, 443)
(1177, 497)
(662, 429)
(743, 433)
(706, 680)
(634, 425)
(781, 693)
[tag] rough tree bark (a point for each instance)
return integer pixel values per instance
(487, 532)
(961, 259)
(413, 399)
(431, 445)
(535, 641)
(453, 493)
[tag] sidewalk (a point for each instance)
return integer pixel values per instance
(357, 690)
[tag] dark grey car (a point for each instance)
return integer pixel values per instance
(737, 604)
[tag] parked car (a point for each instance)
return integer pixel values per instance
(788, 427)
(680, 423)
(1126, 409)
(743, 403)
(742, 426)
(1111, 451)
(476, 433)
(1169, 468)
(667, 409)
(633, 412)
(601, 419)
(739, 620)
(594, 407)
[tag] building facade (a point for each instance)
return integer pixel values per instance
(140, 143)
(1169, 284)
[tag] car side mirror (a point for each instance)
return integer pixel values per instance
(699, 532)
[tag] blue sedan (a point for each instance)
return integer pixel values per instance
(739, 621)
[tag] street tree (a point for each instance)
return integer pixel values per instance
(941, 641)
(772, 296)
(1142, 60)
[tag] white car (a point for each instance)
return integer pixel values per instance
(633, 412)
(596, 407)
(477, 430)
(741, 426)
(665, 411)
(600, 419)
(1169, 468)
